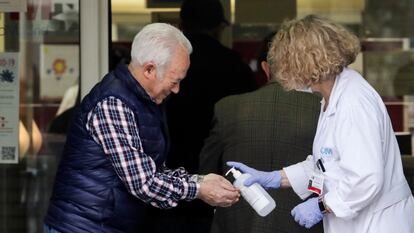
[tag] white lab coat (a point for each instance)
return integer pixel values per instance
(364, 182)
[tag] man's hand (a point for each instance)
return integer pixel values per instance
(215, 190)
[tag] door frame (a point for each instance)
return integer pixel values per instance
(94, 42)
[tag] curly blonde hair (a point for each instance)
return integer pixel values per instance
(310, 50)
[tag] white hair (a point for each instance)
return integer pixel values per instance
(155, 43)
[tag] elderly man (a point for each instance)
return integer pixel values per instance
(113, 161)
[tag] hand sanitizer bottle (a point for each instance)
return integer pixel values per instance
(255, 195)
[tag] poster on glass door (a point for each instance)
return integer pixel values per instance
(9, 107)
(59, 69)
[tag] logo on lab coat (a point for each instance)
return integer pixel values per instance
(326, 151)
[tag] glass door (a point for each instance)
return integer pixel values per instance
(41, 81)
(40, 49)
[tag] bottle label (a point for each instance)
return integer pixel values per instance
(254, 196)
(249, 195)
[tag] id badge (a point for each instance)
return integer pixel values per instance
(316, 183)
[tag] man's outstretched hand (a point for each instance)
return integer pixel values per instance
(216, 190)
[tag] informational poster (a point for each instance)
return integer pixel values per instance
(59, 69)
(9, 107)
(13, 5)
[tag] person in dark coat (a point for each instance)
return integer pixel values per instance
(215, 72)
(267, 128)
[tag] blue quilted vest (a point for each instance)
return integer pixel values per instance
(88, 196)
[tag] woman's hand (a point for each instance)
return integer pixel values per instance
(265, 179)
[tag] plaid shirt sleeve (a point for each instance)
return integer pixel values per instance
(179, 172)
(112, 125)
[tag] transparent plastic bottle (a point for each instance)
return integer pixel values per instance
(255, 195)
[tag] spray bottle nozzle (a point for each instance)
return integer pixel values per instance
(230, 170)
(236, 173)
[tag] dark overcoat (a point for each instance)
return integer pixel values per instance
(266, 129)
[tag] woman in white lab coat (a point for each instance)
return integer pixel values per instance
(355, 167)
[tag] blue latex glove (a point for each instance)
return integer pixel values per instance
(265, 179)
(307, 213)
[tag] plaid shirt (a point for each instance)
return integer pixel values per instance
(112, 125)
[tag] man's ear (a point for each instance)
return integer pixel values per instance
(150, 70)
(266, 69)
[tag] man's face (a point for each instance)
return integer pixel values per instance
(173, 74)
